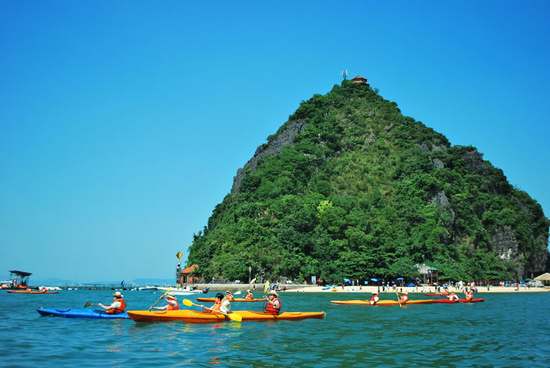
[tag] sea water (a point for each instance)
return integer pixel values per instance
(508, 330)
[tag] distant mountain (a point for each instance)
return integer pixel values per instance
(350, 187)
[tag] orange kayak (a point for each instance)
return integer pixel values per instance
(192, 316)
(390, 303)
(236, 300)
(30, 291)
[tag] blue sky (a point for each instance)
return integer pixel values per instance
(123, 123)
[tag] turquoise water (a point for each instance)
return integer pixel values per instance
(508, 330)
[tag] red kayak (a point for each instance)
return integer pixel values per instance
(436, 294)
(389, 303)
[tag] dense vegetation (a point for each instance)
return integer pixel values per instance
(364, 191)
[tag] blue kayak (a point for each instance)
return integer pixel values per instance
(79, 313)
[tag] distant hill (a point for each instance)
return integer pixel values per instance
(350, 187)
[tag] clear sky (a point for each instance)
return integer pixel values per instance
(122, 123)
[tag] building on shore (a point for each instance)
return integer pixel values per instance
(359, 80)
(185, 276)
(429, 274)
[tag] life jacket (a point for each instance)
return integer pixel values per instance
(249, 296)
(374, 299)
(404, 298)
(269, 308)
(174, 306)
(216, 306)
(120, 309)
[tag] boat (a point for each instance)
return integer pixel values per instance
(19, 280)
(236, 300)
(192, 316)
(147, 288)
(50, 288)
(79, 313)
(31, 291)
(179, 291)
(390, 303)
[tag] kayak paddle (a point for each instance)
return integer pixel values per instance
(232, 316)
(88, 304)
(158, 300)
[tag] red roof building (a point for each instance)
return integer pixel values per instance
(185, 277)
(359, 80)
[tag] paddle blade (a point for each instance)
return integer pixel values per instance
(187, 303)
(88, 304)
(235, 317)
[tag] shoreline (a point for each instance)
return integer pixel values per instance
(415, 290)
(302, 288)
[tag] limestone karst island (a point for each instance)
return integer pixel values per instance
(350, 188)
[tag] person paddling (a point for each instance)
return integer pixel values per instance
(222, 304)
(375, 298)
(117, 306)
(229, 296)
(403, 297)
(249, 295)
(171, 303)
(453, 297)
(217, 304)
(468, 295)
(273, 304)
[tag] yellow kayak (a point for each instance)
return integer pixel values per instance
(192, 316)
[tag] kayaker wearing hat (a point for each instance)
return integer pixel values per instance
(229, 295)
(249, 295)
(375, 298)
(171, 303)
(273, 304)
(225, 307)
(117, 306)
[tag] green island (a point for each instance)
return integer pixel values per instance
(350, 187)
